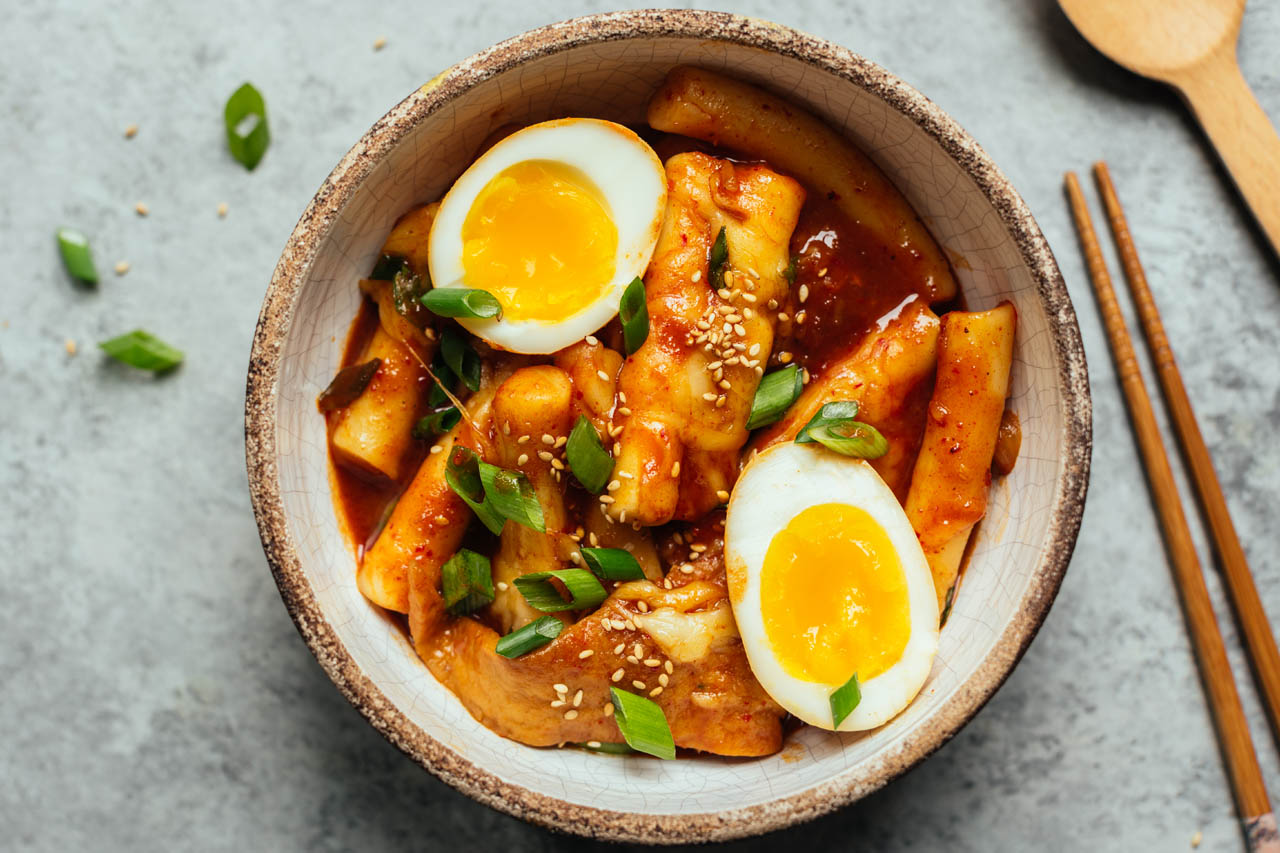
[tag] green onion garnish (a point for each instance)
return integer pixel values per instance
(462, 473)
(348, 385)
(511, 496)
(590, 463)
(462, 302)
(466, 582)
(460, 357)
(613, 564)
(246, 119)
(642, 724)
(843, 700)
(634, 315)
(143, 351)
(834, 428)
(437, 397)
(76, 255)
(583, 588)
(535, 635)
(407, 288)
(387, 267)
(607, 748)
(774, 395)
(437, 423)
(716, 262)
(946, 605)
(790, 272)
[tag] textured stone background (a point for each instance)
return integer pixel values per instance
(153, 693)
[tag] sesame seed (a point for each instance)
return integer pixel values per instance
(577, 697)
(593, 744)
(222, 210)
(753, 272)
(675, 466)
(631, 626)
(571, 714)
(435, 448)
(624, 411)
(622, 516)
(655, 691)
(747, 313)
(562, 441)
(545, 455)
(560, 688)
(733, 318)
(142, 208)
(637, 684)
(614, 432)
(608, 710)
(632, 659)
(800, 317)
(805, 377)
(784, 357)
(652, 662)
(575, 558)
(721, 494)
(557, 464)
(604, 623)
(592, 341)
(617, 674)
(614, 485)
(548, 438)
(622, 397)
(664, 679)
(803, 293)
(668, 667)
(606, 499)
(502, 586)
(739, 330)
(718, 374)
(558, 703)
(720, 401)
(724, 293)
(724, 309)
(122, 267)
(441, 518)
(822, 272)
(522, 458)
(725, 384)
(618, 624)
(772, 305)
(782, 317)
(703, 325)
(697, 275)
(732, 360)
(644, 606)
(618, 649)
(687, 569)
(131, 131)
(749, 297)
(604, 377)
(755, 348)
(379, 43)
(583, 655)
(524, 439)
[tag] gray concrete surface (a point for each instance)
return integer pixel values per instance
(153, 692)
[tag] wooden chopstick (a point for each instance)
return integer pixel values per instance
(1250, 791)
(1260, 642)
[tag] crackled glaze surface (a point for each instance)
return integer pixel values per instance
(592, 68)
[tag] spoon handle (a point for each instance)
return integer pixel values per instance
(1245, 138)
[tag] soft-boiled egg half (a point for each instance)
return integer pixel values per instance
(827, 580)
(555, 221)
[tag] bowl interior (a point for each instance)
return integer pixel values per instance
(612, 79)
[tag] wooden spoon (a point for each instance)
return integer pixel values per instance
(1191, 45)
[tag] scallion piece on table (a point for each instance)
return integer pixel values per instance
(844, 699)
(437, 423)
(462, 473)
(612, 564)
(590, 463)
(246, 120)
(348, 385)
(511, 495)
(77, 257)
(142, 350)
(466, 582)
(642, 724)
(717, 259)
(387, 267)
(834, 427)
(460, 357)
(633, 313)
(462, 302)
(774, 395)
(583, 588)
(535, 635)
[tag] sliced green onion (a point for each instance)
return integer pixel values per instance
(844, 699)
(790, 272)
(535, 635)
(853, 438)
(642, 724)
(774, 395)
(460, 357)
(590, 463)
(77, 257)
(634, 315)
(142, 350)
(462, 473)
(717, 260)
(613, 564)
(511, 496)
(460, 302)
(606, 748)
(840, 411)
(387, 267)
(466, 582)
(348, 385)
(437, 396)
(246, 120)
(437, 423)
(583, 588)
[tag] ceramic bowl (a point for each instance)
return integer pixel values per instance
(607, 66)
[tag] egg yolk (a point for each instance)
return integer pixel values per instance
(539, 237)
(834, 597)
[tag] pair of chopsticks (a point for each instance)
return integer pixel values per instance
(1251, 797)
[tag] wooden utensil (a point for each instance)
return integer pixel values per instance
(1191, 45)
(1252, 618)
(1252, 802)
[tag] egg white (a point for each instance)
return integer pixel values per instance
(777, 485)
(629, 176)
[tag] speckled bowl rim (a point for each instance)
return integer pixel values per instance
(277, 315)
